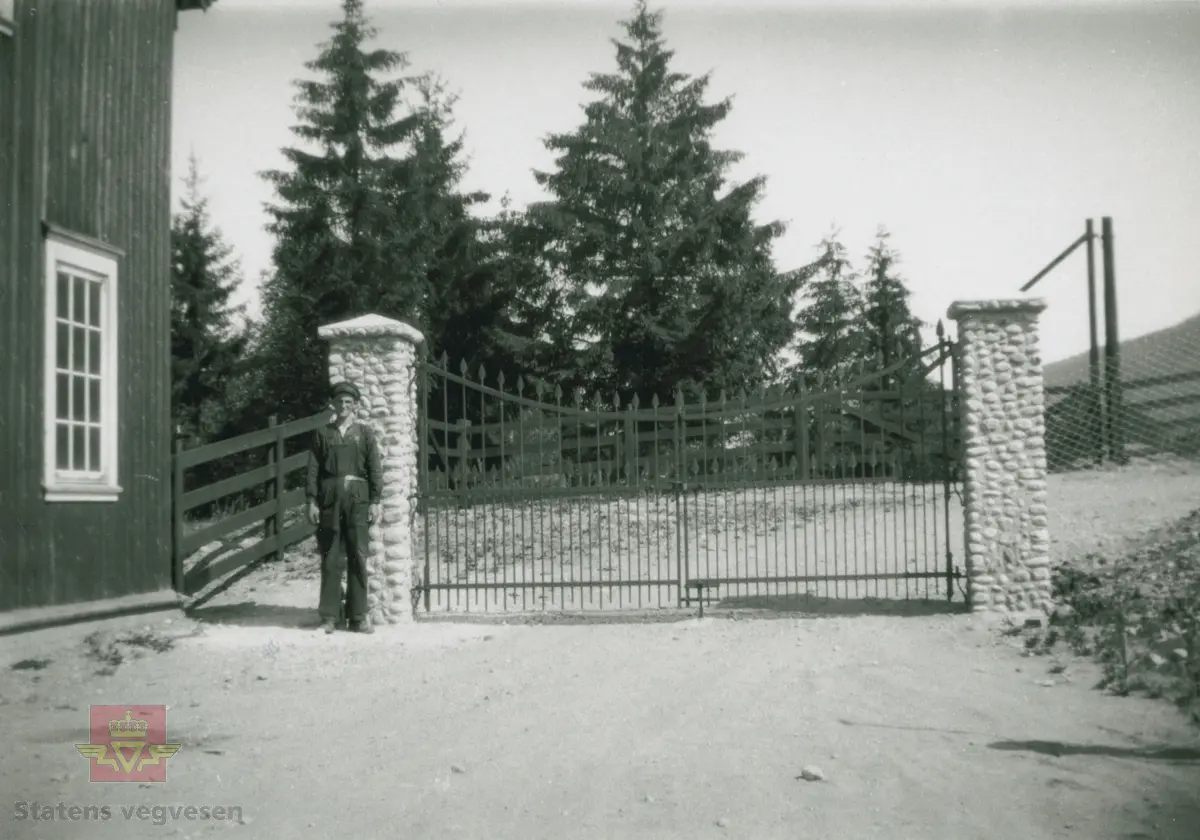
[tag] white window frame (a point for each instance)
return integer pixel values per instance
(99, 260)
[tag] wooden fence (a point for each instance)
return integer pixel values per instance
(269, 514)
(520, 442)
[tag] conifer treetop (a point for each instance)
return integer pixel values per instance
(667, 279)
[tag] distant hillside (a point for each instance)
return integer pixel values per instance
(1171, 350)
(1161, 377)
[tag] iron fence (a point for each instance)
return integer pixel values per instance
(535, 500)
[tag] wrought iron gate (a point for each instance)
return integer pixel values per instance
(533, 501)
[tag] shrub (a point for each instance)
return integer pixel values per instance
(1138, 616)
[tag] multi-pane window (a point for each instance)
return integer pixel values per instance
(81, 412)
(77, 373)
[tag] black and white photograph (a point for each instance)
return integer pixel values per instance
(514, 419)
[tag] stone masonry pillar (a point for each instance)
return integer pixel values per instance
(1004, 488)
(379, 356)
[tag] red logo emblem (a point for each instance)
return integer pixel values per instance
(128, 744)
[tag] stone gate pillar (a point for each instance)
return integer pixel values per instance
(1004, 492)
(379, 356)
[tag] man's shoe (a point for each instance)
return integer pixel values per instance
(361, 627)
(328, 626)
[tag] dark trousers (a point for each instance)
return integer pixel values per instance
(342, 539)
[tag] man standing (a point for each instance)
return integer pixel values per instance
(345, 486)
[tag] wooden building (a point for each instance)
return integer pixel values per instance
(85, 214)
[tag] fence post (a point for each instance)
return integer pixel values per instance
(1095, 400)
(464, 455)
(818, 469)
(379, 355)
(1004, 485)
(945, 353)
(631, 449)
(177, 582)
(958, 438)
(680, 490)
(800, 420)
(271, 524)
(280, 490)
(424, 435)
(1114, 415)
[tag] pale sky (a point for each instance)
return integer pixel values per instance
(981, 135)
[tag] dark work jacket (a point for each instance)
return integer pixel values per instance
(332, 456)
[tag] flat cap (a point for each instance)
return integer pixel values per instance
(345, 389)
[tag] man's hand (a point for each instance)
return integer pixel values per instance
(373, 513)
(313, 514)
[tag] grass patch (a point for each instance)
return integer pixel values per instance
(113, 651)
(31, 664)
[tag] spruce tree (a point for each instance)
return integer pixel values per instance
(892, 334)
(831, 342)
(371, 218)
(474, 296)
(340, 240)
(893, 338)
(664, 278)
(207, 342)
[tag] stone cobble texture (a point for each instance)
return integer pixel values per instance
(1004, 487)
(379, 356)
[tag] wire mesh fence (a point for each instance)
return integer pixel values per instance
(1146, 402)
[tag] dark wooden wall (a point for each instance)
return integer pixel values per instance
(85, 118)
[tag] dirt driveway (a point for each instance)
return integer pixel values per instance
(923, 727)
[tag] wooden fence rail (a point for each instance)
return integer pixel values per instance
(270, 514)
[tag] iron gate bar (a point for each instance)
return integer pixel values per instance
(903, 518)
(921, 460)
(946, 467)
(566, 584)
(423, 465)
(747, 579)
(680, 500)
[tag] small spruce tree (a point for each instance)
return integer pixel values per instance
(892, 332)
(830, 342)
(207, 340)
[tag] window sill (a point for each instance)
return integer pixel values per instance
(81, 493)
